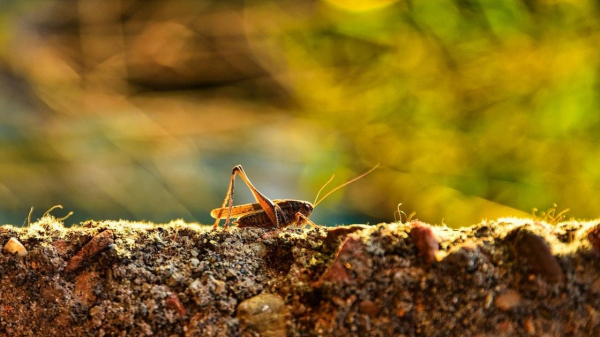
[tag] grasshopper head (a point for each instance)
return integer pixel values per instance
(303, 208)
(306, 208)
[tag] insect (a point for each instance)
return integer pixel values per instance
(267, 213)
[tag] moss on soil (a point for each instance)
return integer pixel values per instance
(506, 277)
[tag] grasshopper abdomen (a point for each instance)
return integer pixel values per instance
(290, 208)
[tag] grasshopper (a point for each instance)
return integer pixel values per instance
(267, 213)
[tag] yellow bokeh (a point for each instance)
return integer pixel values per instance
(360, 5)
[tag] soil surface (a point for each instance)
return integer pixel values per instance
(507, 277)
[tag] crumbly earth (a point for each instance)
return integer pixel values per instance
(506, 277)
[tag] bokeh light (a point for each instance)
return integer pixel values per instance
(139, 110)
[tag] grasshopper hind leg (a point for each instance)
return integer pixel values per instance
(273, 211)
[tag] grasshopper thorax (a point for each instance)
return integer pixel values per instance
(292, 207)
(297, 211)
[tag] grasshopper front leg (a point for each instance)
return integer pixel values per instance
(272, 210)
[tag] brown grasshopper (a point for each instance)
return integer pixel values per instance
(267, 213)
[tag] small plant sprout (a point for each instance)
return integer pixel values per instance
(550, 216)
(47, 213)
(401, 213)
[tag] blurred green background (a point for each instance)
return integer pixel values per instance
(139, 109)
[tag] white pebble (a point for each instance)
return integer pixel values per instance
(13, 246)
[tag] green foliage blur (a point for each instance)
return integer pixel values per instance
(139, 109)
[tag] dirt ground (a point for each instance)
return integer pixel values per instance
(507, 277)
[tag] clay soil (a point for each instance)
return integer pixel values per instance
(507, 277)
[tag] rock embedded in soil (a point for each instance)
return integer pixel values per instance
(594, 237)
(535, 250)
(13, 246)
(175, 304)
(369, 307)
(334, 235)
(351, 263)
(264, 314)
(529, 326)
(426, 241)
(86, 285)
(97, 244)
(508, 300)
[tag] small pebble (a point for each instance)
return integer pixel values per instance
(508, 300)
(488, 300)
(369, 308)
(536, 251)
(259, 248)
(175, 304)
(194, 262)
(594, 237)
(529, 326)
(264, 314)
(13, 246)
(96, 245)
(426, 241)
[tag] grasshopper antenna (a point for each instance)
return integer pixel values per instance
(322, 188)
(318, 201)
